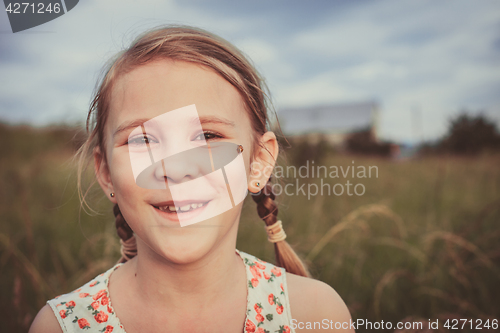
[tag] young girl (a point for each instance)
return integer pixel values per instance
(188, 278)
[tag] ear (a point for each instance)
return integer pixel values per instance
(263, 162)
(102, 174)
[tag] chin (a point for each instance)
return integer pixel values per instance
(186, 250)
(185, 245)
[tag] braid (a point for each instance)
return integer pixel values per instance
(127, 239)
(285, 255)
(266, 207)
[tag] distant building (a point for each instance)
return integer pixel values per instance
(333, 122)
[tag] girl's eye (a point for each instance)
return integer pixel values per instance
(141, 140)
(208, 135)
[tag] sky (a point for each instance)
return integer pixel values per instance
(422, 61)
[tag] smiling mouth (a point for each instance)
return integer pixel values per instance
(183, 208)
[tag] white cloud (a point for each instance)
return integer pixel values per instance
(258, 50)
(62, 65)
(438, 55)
(402, 53)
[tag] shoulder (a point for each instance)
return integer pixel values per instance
(313, 301)
(76, 308)
(45, 322)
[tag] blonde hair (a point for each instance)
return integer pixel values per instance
(197, 46)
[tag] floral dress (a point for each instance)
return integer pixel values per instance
(268, 310)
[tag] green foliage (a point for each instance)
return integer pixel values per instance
(422, 241)
(471, 135)
(467, 135)
(364, 142)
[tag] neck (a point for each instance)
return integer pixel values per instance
(164, 283)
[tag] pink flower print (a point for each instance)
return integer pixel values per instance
(270, 298)
(284, 329)
(101, 317)
(258, 307)
(62, 313)
(279, 309)
(259, 265)
(109, 329)
(266, 276)
(255, 272)
(83, 295)
(105, 300)
(276, 271)
(250, 326)
(95, 305)
(99, 294)
(259, 318)
(83, 323)
(255, 282)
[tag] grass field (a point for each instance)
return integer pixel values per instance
(422, 242)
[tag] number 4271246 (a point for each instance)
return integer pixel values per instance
(460, 324)
(31, 7)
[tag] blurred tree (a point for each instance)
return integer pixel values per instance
(469, 134)
(364, 142)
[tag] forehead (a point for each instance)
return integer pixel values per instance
(164, 85)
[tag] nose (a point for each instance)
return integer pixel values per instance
(175, 170)
(184, 166)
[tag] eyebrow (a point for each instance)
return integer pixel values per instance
(203, 120)
(215, 120)
(130, 124)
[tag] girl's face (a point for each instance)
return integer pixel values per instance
(151, 91)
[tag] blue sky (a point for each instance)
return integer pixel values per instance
(435, 57)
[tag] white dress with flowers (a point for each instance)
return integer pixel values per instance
(268, 310)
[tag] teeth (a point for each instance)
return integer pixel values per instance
(185, 208)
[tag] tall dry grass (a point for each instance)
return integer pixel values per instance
(422, 242)
(46, 246)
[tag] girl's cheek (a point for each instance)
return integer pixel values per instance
(122, 171)
(216, 182)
